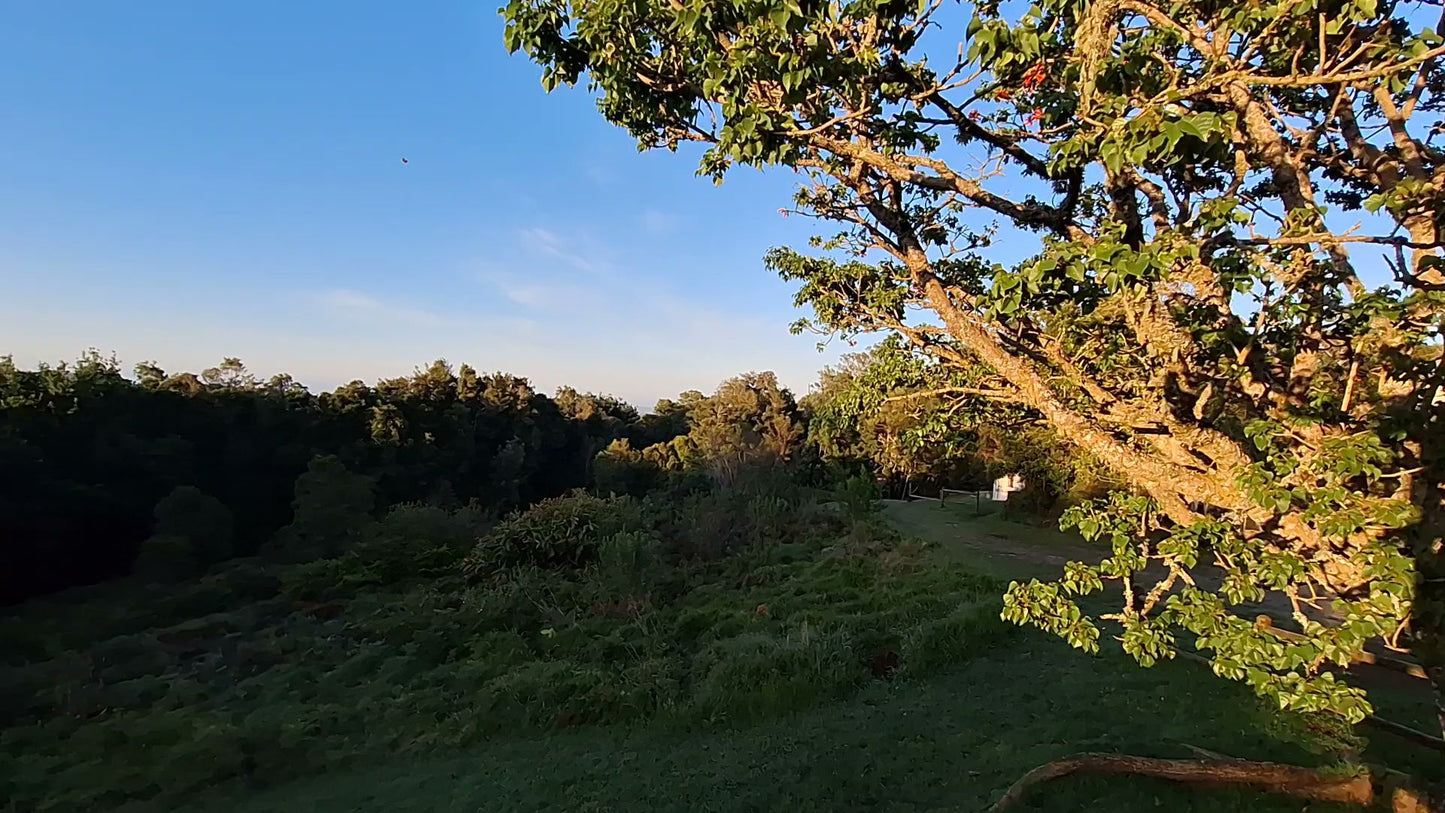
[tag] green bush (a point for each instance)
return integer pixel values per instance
(859, 497)
(128, 657)
(562, 532)
(419, 540)
(325, 579)
(330, 513)
(552, 693)
(727, 521)
(202, 520)
(166, 558)
(411, 541)
(755, 677)
(246, 580)
(961, 634)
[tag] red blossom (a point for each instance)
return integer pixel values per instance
(1035, 76)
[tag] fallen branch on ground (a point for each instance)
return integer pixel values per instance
(1416, 736)
(1268, 777)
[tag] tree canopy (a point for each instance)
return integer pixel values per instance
(98, 468)
(1200, 240)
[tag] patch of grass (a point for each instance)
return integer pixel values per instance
(808, 664)
(954, 741)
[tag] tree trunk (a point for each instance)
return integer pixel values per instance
(1266, 776)
(1427, 621)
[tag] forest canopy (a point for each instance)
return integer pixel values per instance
(168, 474)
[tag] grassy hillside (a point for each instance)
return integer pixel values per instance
(726, 652)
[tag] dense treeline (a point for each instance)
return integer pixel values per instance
(88, 456)
(102, 474)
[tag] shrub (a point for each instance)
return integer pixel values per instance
(247, 580)
(418, 540)
(201, 519)
(551, 693)
(562, 532)
(859, 497)
(753, 677)
(325, 579)
(628, 561)
(128, 657)
(331, 512)
(724, 521)
(957, 636)
(166, 558)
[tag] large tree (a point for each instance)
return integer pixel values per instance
(1199, 239)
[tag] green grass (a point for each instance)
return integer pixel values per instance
(819, 668)
(952, 742)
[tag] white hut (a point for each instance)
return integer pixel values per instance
(1006, 485)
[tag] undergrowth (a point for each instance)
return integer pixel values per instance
(720, 609)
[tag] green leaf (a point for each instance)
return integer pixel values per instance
(1112, 155)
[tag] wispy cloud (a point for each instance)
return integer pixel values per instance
(547, 243)
(357, 305)
(599, 173)
(659, 222)
(539, 295)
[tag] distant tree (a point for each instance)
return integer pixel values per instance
(204, 522)
(230, 374)
(508, 472)
(331, 511)
(149, 375)
(621, 469)
(166, 559)
(282, 384)
(86, 454)
(750, 419)
(667, 420)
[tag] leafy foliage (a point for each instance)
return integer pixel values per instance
(251, 688)
(86, 454)
(1180, 298)
(559, 532)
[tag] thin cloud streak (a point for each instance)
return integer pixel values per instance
(357, 305)
(547, 243)
(658, 222)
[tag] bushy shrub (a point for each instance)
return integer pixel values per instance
(325, 579)
(247, 580)
(128, 657)
(412, 541)
(724, 521)
(166, 558)
(755, 676)
(551, 693)
(965, 632)
(562, 532)
(199, 518)
(629, 557)
(419, 540)
(330, 513)
(193, 531)
(859, 497)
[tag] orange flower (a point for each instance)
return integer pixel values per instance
(1035, 76)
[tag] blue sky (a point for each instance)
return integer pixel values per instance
(186, 181)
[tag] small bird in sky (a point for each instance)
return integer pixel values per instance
(404, 161)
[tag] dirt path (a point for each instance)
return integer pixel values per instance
(1018, 551)
(958, 528)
